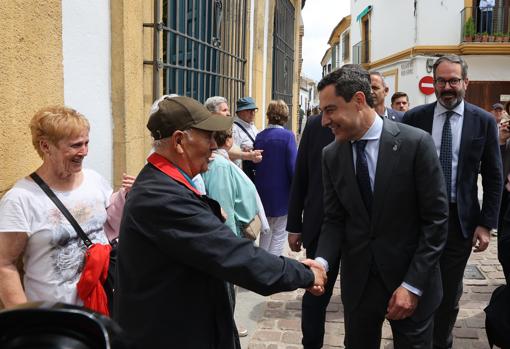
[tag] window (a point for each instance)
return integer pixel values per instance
(203, 48)
(345, 46)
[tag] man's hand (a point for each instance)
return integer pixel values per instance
(504, 133)
(320, 277)
(254, 155)
(402, 304)
(294, 241)
(224, 214)
(481, 239)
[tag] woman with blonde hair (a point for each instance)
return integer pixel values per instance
(31, 225)
(274, 174)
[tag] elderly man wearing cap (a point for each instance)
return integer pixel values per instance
(244, 131)
(175, 252)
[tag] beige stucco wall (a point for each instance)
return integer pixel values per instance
(259, 58)
(32, 77)
(131, 84)
(298, 57)
(257, 65)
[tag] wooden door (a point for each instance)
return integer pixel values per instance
(485, 93)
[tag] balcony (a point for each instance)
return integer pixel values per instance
(485, 26)
(361, 52)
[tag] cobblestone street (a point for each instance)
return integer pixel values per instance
(278, 325)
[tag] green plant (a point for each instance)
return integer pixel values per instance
(469, 27)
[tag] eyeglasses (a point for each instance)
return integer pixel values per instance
(452, 82)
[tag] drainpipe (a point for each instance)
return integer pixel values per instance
(415, 22)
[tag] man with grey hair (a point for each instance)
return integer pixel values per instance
(379, 92)
(198, 181)
(466, 140)
(175, 252)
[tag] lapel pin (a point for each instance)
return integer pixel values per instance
(396, 145)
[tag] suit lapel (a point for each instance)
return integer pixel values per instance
(351, 187)
(388, 158)
(427, 121)
(465, 138)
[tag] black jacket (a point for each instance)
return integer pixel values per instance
(174, 258)
(305, 201)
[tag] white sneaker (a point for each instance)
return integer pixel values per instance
(242, 331)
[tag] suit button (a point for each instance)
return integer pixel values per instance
(372, 238)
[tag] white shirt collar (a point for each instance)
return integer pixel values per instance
(374, 132)
(440, 110)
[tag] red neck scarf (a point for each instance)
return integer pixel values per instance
(165, 166)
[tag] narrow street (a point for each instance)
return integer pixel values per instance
(275, 322)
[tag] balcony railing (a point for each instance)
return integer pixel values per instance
(361, 52)
(485, 26)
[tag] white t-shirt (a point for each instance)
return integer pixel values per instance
(241, 139)
(54, 255)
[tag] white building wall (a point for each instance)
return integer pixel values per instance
(356, 7)
(410, 72)
(87, 85)
(439, 22)
(396, 28)
(488, 68)
(386, 34)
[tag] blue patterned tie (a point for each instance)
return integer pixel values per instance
(445, 153)
(362, 174)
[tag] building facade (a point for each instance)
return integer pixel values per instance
(403, 40)
(111, 59)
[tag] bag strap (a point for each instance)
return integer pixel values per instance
(242, 128)
(62, 208)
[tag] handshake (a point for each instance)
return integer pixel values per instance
(320, 277)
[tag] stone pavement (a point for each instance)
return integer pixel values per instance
(275, 322)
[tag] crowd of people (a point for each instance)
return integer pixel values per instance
(387, 196)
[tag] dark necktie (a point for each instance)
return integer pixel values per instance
(362, 174)
(445, 153)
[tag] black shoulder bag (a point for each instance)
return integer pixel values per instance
(109, 284)
(248, 166)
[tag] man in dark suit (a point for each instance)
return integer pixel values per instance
(466, 140)
(385, 213)
(304, 223)
(379, 92)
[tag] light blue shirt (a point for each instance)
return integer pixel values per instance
(373, 136)
(235, 193)
(456, 122)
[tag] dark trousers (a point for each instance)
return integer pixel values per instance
(485, 25)
(453, 262)
(504, 235)
(313, 309)
(363, 324)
